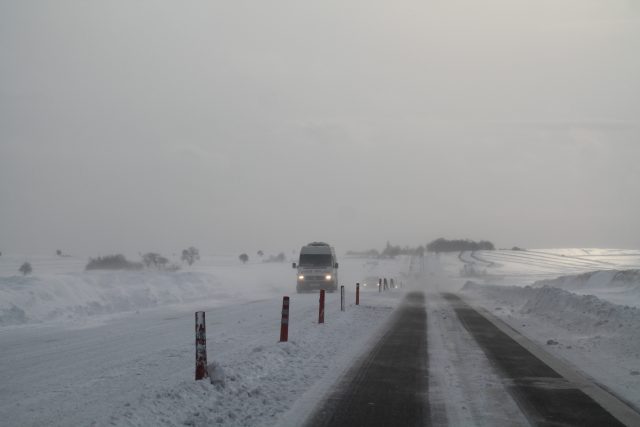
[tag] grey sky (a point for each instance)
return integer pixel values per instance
(245, 125)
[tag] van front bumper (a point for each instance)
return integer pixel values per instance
(307, 286)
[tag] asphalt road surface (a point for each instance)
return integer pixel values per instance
(546, 398)
(389, 386)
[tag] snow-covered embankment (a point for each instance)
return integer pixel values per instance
(600, 337)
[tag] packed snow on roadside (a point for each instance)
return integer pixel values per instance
(599, 337)
(582, 305)
(621, 287)
(117, 347)
(261, 382)
(59, 290)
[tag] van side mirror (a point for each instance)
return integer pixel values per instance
(294, 265)
(336, 266)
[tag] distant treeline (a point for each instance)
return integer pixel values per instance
(444, 245)
(389, 251)
(438, 245)
(150, 260)
(112, 262)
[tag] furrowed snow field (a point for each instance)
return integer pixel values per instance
(117, 348)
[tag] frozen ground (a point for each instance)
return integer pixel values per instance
(116, 348)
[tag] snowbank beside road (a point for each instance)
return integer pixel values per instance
(599, 337)
(618, 286)
(76, 296)
(71, 296)
(581, 314)
(136, 368)
(60, 291)
(262, 378)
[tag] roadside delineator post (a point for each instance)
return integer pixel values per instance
(284, 324)
(201, 346)
(342, 298)
(321, 309)
(379, 285)
(357, 293)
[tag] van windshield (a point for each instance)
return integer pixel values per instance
(315, 260)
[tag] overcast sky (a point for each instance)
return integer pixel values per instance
(244, 125)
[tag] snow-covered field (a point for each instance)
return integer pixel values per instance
(117, 348)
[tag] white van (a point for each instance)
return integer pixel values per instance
(317, 268)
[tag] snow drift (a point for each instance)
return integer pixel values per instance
(621, 280)
(60, 290)
(598, 336)
(77, 295)
(582, 314)
(67, 296)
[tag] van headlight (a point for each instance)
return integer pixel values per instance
(301, 277)
(327, 277)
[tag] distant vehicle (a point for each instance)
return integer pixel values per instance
(370, 282)
(317, 268)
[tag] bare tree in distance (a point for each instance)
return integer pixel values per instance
(25, 268)
(190, 255)
(153, 259)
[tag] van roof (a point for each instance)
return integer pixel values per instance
(317, 249)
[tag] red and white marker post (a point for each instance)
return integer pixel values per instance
(201, 346)
(321, 309)
(342, 298)
(357, 293)
(284, 325)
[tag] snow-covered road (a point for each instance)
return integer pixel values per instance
(464, 389)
